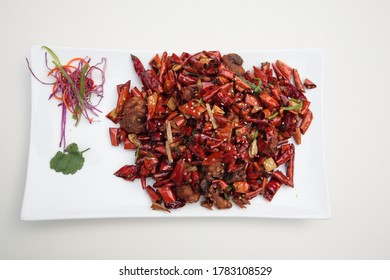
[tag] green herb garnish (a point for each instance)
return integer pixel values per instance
(294, 107)
(137, 154)
(254, 87)
(273, 115)
(226, 196)
(58, 64)
(258, 87)
(254, 134)
(297, 106)
(69, 161)
(82, 89)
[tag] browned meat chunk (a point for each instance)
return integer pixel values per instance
(234, 62)
(207, 204)
(134, 115)
(221, 202)
(215, 171)
(235, 176)
(216, 195)
(185, 192)
(241, 201)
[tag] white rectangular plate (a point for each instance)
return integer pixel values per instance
(94, 192)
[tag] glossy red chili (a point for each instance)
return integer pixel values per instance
(271, 188)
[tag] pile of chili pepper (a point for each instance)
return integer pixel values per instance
(206, 129)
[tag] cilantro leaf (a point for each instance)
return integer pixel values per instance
(72, 148)
(69, 161)
(59, 162)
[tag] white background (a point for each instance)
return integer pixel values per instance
(356, 40)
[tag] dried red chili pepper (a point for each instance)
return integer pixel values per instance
(282, 178)
(286, 155)
(297, 80)
(307, 119)
(114, 132)
(128, 172)
(284, 69)
(268, 101)
(151, 80)
(166, 194)
(152, 194)
(271, 188)
(178, 172)
(309, 84)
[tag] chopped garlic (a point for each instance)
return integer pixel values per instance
(253, 149)
(269, 164)
(212, 119)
